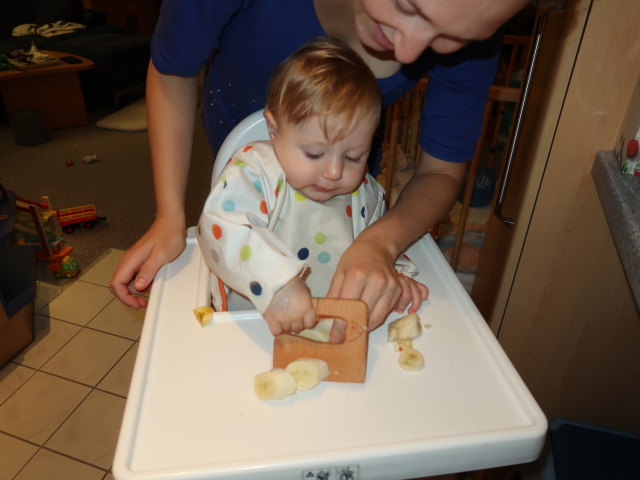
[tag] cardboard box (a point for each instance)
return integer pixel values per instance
(17, 294)
(16, 332)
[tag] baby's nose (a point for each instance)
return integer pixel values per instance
(333, 169)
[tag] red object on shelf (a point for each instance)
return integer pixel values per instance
(632, 148)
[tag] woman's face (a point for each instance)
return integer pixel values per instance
(408, 27)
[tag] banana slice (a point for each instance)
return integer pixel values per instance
(203, 315)
(308, 372)
(404, 328)
(402, 344)
(274, 384)
(411, 359)
(319, 333)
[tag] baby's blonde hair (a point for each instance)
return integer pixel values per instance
(327, 79)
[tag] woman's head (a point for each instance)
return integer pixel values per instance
(408, 27)
(326, 79)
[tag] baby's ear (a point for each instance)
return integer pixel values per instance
(272, 125)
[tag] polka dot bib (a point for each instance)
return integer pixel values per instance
(256, 232)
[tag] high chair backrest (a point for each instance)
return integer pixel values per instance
(252, 128)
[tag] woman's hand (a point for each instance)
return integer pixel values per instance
(161, 244)
(413, 294)
(291, 309)
(367, 272)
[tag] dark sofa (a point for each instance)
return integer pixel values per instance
(120, 59)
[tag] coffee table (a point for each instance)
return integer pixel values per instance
(54, 90)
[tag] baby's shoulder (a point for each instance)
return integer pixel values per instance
(256, 160)
(254, 154)
(259, 147)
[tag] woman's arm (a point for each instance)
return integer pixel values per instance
(366, 269)
(171, 115)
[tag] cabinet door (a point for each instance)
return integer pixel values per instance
(562, 307)
(503, 242)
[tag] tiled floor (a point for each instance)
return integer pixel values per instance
(62, 398)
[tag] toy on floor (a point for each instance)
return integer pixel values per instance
(77, 217)
(37, 227)
(67, 267)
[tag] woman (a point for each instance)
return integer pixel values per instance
(401, 40)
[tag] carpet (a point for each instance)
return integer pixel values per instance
(132, 118)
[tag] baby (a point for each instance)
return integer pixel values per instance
(283, 211)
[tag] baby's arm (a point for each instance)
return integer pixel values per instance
(234, 235)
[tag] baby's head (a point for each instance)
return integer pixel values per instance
(322, 110)
(327, 79)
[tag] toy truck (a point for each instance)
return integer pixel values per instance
(76, 217)
(68, 267)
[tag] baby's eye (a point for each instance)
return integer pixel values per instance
(352, 159)
(313, 156)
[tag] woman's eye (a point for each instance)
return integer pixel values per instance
(403, 6)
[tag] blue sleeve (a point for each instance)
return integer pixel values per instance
(187, 33)
(455, 100)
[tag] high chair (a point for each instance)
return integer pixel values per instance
(251, 129)
(192, 412)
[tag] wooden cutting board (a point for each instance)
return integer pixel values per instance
(347, 361)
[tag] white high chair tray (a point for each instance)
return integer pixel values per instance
(192, 413)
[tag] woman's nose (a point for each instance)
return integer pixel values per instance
(408, 46)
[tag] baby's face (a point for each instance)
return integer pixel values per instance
(318, 168)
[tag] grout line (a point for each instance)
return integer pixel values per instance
(27, 462)
(16, 390)
(110, 370)
(79, 460)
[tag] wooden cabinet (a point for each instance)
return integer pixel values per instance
(552, 285)
(137, 17)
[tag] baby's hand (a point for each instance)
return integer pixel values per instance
(291, 309)
(413, 293)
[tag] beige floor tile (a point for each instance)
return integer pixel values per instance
(12, 377)
(119, 319)
(118, 379)
(78, 303)
(45, 292)
(91, 433)
(14, 454)
(40, 406)
(88, 356)
(51, 335)
(48, 465)
(101, 270)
